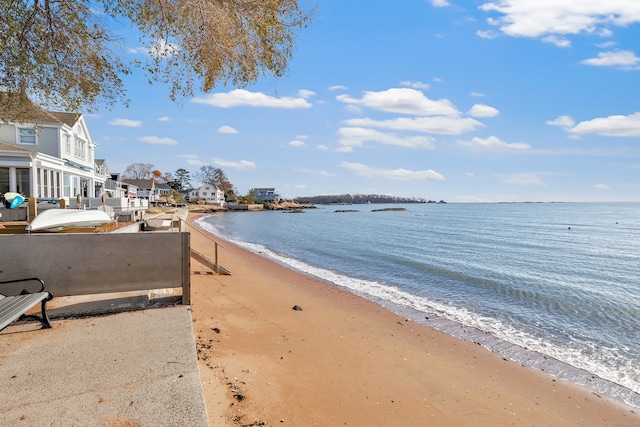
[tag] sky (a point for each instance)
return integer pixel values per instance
(462, 101)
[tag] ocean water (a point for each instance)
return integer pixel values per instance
(555, 286)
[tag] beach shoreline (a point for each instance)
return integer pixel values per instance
(344, 360)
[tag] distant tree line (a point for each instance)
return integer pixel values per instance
(357, 199)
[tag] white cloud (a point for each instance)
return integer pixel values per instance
(126, 123)
(164, 119)
(482, 110)
(486, 34)
(415, 85)
(562, 121)
(241, 165)
(439, 3)
(227, 130)
(392, 174)
(601, 187)
(337, 87)
(303, 93)
(160, 49)
(558, 41)
(322, 147)
(623, 126)
(245, 98)
(494, 143)
(476, 94)
(606, 45)
(624, 59)
(296, 143)
(605, 32)
(313, 172)
(403, 101)
(357, 136)
(155, 140)
(192, 159)
(539, 18)
(523, 179)
(436, 125)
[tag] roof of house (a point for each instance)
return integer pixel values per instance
(68, 119)
(140, 183)
(10, 147)
(208, 184)
(37, 114)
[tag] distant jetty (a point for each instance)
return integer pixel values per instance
(389, 209)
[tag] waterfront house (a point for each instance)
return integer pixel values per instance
(145, 188)
(163, 190)
(266, 194)
(210, 193)
(51, 157)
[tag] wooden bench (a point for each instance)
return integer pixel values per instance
(15, 307)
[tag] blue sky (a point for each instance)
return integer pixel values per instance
(465, 101)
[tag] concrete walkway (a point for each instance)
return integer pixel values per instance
(130, 369)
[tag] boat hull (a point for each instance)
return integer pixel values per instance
(54, 220)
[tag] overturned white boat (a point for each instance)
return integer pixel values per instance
(53, 220)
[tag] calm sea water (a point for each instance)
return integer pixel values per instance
(555, 285)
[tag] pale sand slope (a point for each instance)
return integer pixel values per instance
(346, 361)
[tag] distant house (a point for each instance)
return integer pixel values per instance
(211, 194)
(145, 187)
(50, 158)
(117, 187)
(163, 189)
(266, 194)
(162, 194)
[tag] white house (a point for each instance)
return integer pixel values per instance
(50, 158)
(211, 194)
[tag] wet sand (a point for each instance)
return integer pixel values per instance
(343, 360)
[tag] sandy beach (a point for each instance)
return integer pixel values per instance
(342, 360)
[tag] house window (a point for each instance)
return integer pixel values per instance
(27, 136)
(204, 193)
(65, 184)
(79, 149)
(22, 181)
(67, 144)
(76, 185)
(4, 180)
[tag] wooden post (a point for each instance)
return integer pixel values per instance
(216, 257)
(32, 209)
(63, 203)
